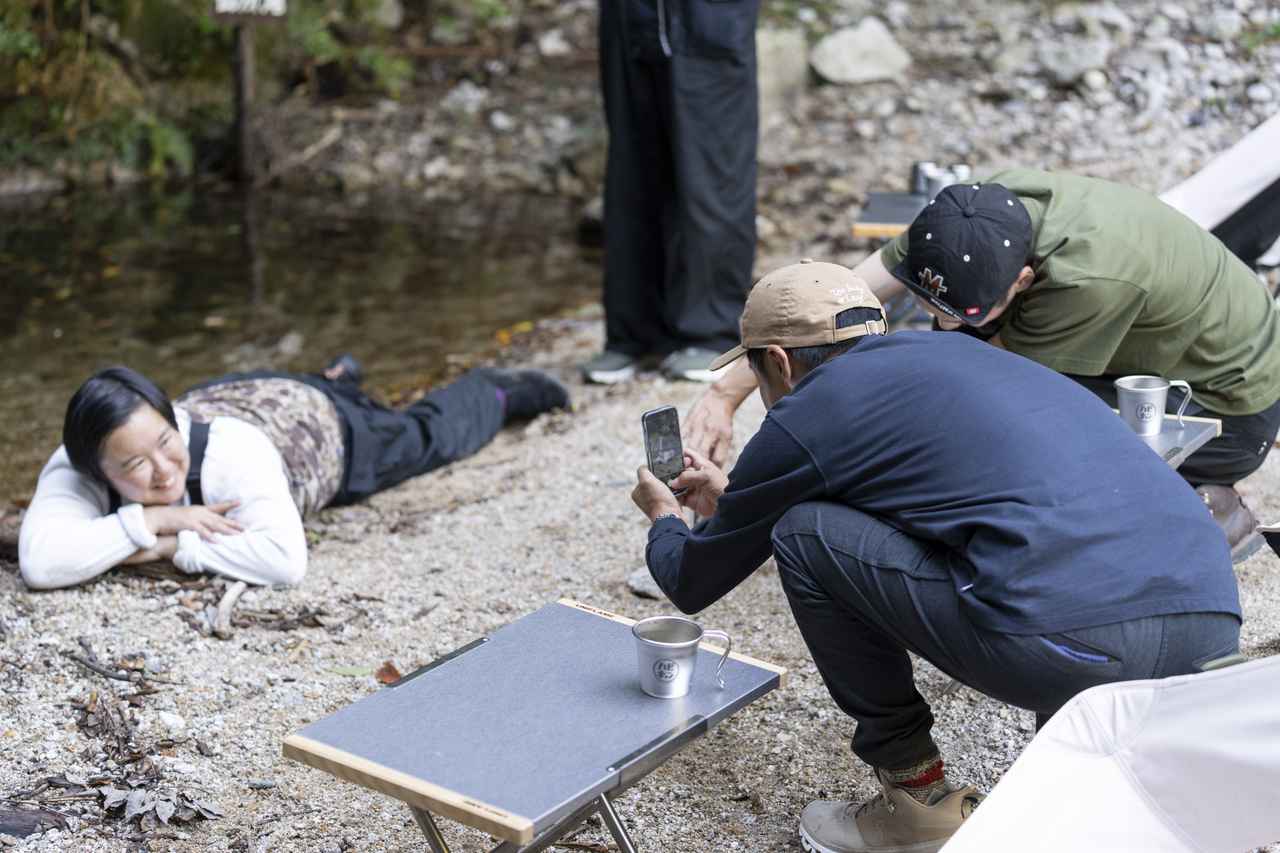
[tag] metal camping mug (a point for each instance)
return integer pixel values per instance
(1141, 400)
(667, 650)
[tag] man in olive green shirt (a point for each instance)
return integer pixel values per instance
(1095, 280)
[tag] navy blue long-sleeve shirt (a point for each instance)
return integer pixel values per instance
(1060, 516)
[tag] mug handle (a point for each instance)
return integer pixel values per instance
(728, 647)
(1186, 397)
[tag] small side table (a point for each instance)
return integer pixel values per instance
(525, 733)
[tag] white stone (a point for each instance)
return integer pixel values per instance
(501, 122)
(642, 584)
(553, 43)
(1067, 58)
(765, 229)
(389, 14)
(1260, 93)
(860, 54)
(465, 97)
(172, 721)
(1221, 25)
(1094, 79)
(782, 71)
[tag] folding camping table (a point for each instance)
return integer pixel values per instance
(525, 733)
(888, 214)
(1175, 443)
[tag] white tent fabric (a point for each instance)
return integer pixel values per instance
(1189, 764)
(1231, 179)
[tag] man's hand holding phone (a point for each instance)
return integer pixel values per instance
(701, 481)
(653, 496)
(703, 484)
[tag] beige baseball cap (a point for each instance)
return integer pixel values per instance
(796, 306)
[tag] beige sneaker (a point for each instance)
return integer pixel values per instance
(890, 822)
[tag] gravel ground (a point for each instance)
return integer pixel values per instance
(542, 513)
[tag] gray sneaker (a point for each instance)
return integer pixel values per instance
(691, 364)
(609, 367)
(890, 822)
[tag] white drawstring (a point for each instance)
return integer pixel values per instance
(662, 28)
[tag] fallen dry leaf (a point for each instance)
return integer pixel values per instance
(387, 673)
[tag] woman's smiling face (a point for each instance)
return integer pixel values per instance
(146, 460)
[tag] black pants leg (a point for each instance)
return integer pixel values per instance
(387, 446)
(865, 593)
(639, 177)
(1245, 442)
(681, 172)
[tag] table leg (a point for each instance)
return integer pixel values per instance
(430, 830)
(552, 834)
(616, 829)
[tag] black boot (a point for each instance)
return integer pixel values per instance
(345, 368)
(528, 393)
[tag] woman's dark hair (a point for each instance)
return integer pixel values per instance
(99, 407)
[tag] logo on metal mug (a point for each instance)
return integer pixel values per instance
(665, 669)
(1146, 411)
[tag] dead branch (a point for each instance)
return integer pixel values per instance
(222, 622)
(330, 136)
(102, 670)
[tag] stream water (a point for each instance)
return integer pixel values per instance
(190, 285)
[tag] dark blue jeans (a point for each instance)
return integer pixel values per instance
(864, 594)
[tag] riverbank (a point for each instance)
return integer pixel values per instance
(542, 513)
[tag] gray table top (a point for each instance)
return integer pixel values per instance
(1176, 443)
(519, 729)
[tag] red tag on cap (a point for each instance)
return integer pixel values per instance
(969, 312)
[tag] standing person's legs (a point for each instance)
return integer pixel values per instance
(715, 127)
(638, 174)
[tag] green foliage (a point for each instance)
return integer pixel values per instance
(130, 81)
(389, 73)
(168, 147)
(1259, 37)
(19, 44)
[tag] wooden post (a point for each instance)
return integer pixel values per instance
(246, 159)
(244, 15)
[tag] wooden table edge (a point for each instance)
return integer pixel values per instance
(878, 229)
(747, 659)
(409, 789)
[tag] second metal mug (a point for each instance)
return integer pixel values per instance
(1141, 401)
(667, 651)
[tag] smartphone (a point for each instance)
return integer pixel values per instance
(663, 449)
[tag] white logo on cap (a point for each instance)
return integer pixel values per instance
(845, 294)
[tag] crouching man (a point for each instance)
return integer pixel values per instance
(928, 493)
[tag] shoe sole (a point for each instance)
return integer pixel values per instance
(811, 846)
(609, 377)
(694, 375)
(1247, 547)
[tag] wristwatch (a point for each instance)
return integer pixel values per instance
(676, 516)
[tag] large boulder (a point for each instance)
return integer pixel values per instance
(782, 59)
(1066, 59)
(860, 54)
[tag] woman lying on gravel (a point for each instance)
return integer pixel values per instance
(220, 479)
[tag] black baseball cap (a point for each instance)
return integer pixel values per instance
(966, 248)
